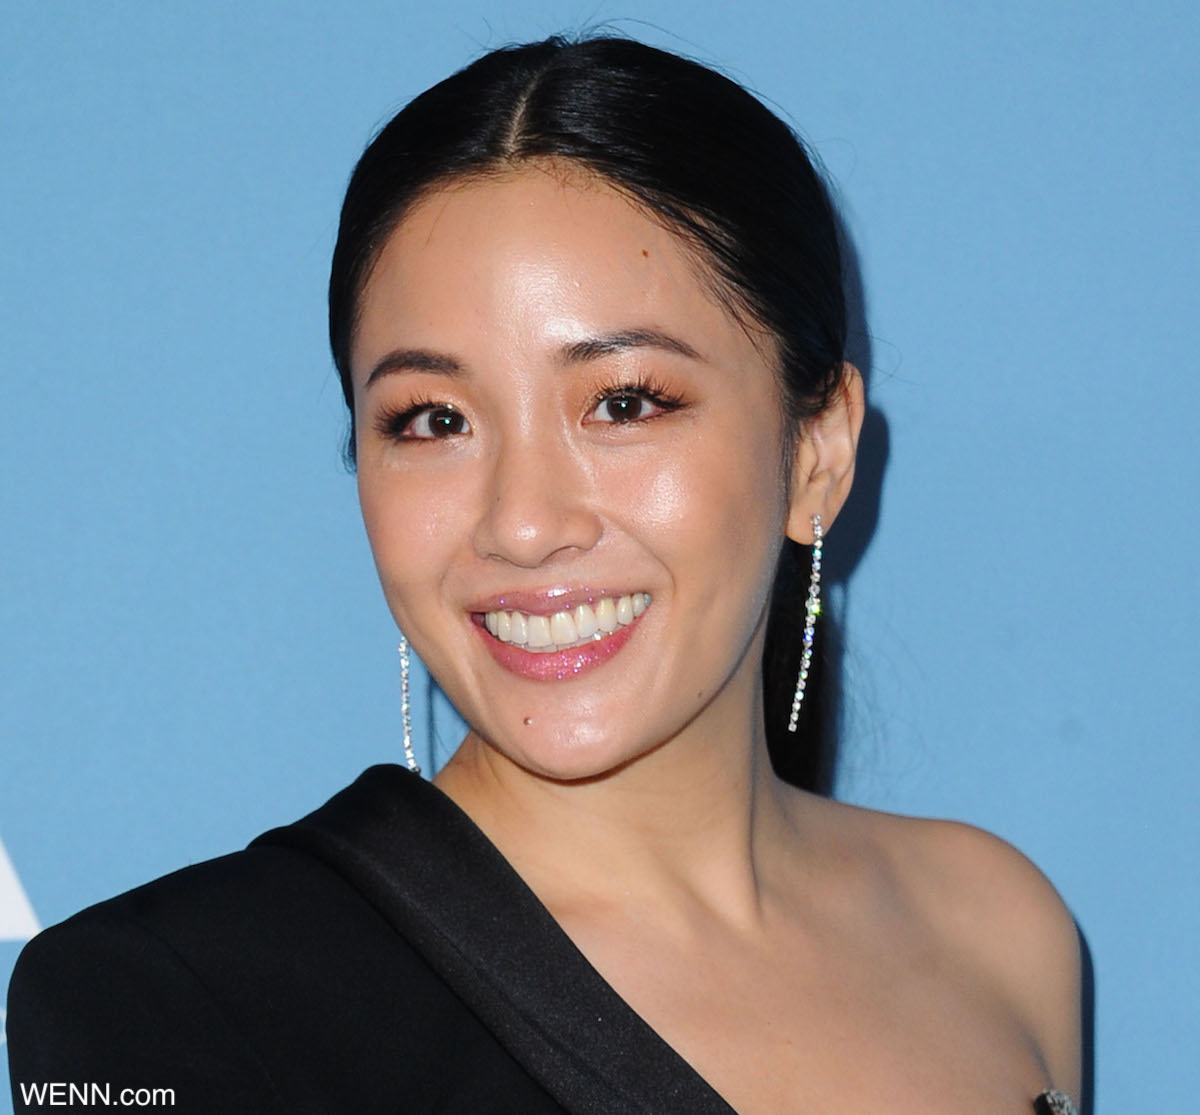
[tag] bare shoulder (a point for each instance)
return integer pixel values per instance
(994, 907)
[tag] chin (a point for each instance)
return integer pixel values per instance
(571, 754)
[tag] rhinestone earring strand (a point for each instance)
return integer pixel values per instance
(812, 609)
(410, 757)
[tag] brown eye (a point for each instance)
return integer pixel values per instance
(632, 403)
(441, 422)
(622, 408)
(428, 422)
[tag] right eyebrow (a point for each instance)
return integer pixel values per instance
(414, 360)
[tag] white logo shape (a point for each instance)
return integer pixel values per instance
(17, 919)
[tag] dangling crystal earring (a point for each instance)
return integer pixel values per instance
(812, 609)
(405, 709)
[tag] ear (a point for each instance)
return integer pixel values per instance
(823, 463)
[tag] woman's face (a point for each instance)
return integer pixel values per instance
(570, 467)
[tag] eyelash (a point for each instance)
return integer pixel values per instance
(393, 423)
(644, 387)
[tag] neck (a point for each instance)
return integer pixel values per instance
(693, 826)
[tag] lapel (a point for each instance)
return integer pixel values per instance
(447, 890)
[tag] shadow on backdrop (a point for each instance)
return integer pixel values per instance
(1087, 1093)
(809, 758)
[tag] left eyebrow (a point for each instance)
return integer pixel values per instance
(609, 344)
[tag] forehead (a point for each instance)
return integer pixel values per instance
(540, 255)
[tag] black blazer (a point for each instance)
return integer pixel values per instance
(379, 955)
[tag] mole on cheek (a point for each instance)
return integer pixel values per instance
(645, 253)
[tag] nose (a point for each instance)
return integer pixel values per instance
(537, 504)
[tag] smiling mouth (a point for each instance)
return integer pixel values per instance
(583, 624)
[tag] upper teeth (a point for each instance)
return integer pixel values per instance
(567, 629)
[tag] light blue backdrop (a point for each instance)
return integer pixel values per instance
(192, 644)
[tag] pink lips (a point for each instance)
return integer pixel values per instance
(555, 665)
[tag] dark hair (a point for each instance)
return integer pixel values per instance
(697, 152)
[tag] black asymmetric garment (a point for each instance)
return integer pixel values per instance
(379, 955)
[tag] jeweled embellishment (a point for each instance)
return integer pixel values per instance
(812, 609)
(1055, 1102)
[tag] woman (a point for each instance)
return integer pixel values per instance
(586, 305)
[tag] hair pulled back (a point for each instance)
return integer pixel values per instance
(697, 152)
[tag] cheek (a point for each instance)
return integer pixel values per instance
(407, 522)
(710, 503)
